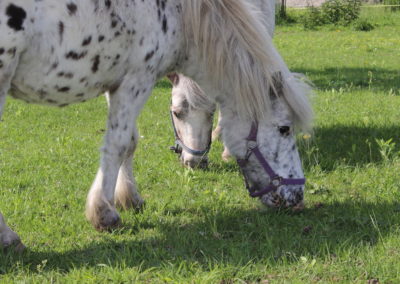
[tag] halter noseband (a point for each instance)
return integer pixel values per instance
(179, 145)
(276, 180)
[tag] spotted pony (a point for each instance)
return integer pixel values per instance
(67, 51)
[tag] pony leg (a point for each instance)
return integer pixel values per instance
(5, 82)
(8, 237)
(226, 154)
(126, 194)
(2, 103)
(125, 105)
(216, 134)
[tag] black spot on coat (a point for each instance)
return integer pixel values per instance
(75, 55)
(72, 8)
(61, 30)
(87, 41)
(16, 16)
(96, 63)
(164, 25)
(149, 56)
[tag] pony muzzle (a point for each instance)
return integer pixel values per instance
(194, 162)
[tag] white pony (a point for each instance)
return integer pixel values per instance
(66, 51)
(193, 126)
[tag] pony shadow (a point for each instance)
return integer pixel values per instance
(234, 237)
(355, 78)
(347, 145)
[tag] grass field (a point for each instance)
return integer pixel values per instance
(201, 226)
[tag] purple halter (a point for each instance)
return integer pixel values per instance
(179, 145)
(276, 180)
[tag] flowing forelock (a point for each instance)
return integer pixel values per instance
(195, 95)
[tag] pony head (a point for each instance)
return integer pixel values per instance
(266, 152)
(231, 56)
(192, 121)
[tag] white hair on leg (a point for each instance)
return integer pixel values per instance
(2, 103)
(126, 193)
(107, 95)
(125, 104)
(100, 210)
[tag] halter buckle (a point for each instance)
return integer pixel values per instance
(276, 181)
(176, 149)
(251, 145)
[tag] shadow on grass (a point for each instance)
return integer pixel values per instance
(346, 145)
(232, 238)
(373, 78)
(330, 147)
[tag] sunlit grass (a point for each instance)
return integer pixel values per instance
(201, 226)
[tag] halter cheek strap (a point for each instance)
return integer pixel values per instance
(179, 145)
(275, 180)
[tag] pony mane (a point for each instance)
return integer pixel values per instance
(195, 95)
(234, 45)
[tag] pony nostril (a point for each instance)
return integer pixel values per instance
(203, 163)
(277, 200)
(195, 164)
(299, 196)
(190, 163)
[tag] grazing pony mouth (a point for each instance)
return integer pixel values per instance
(278, 203)
(276, 181)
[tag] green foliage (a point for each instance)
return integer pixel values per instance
(313, 18)
(288, 19)
(386, 148)
(341, 12)
(392, 2)
(363, 25)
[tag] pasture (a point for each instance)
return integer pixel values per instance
(201, 226)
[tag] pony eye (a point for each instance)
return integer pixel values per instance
(178, 114)
(284, 130)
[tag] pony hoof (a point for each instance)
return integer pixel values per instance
(109, 221)
(12, 243)
(16, 246)
(104, 220)
(136, 204)
(139, 206)
(226, 156)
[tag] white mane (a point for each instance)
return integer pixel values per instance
(234, 44)
(195, 95)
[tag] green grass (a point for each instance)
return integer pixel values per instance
(200, 226)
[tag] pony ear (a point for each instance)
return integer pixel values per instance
(174, 78)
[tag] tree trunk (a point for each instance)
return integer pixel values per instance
(282, 11)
